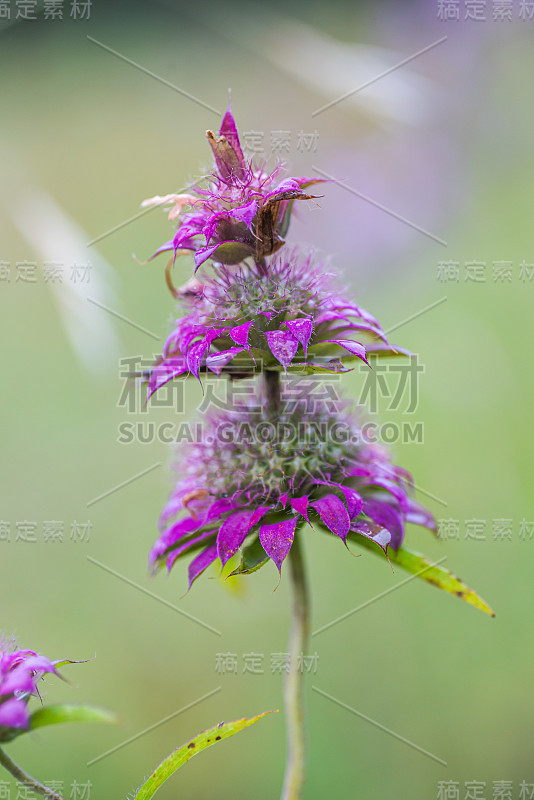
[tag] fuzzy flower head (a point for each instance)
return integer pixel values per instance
(238, 211)
(20, 672)
(290, 316)
(254, 478)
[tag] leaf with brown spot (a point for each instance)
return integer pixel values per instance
(182, 754)
(434, 574)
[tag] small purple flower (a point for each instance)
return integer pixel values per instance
(289, 316)
(252, 480)
(239, 211)
(20, 672)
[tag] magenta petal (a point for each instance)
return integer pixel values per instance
(381, 347)
(334, 514)
(245, 213)
(201, 563)
(354, 501)
(14, 714)
(203, 254)
(240, 333)
(229, 251)
(195, 355)
(419, 515)
(165, 372)
(301, 330)
(171, 536)
(175, 554)
(355, 348)
(277, 539)
(19, 679)
(283, 346)
(228, 129)
(232, 533)
(258, 514)
(388, 517)
(214, 333)
(390, 486)
(300, 505)
(163, 249)
(217, 361)
(219, 507)
(287, 185)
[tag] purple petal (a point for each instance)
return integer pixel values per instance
(228, 252)
(354, 501)
(239, 334)
(301, 330)
(245, 213)
(228, 129)
(171, 536)
(232, 534)
(388, 517)
(19, 679)
(355, 348)
(220, 507)
(381, 347)
(14, 714)
(195, 355)
(163, 249)
(277, 539)
(217, 361)
(419, 515)
(333, 514)
(352, 498)
(201, 563)
(258, 514)
(175, 554)
(165, 372)
(390, 486)
(360, 326)
(172, 507)
(300, 505)
(283, 346)
(287, 185)
(358, 472)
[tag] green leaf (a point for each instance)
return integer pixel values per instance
(53, 715)
(180, 756)
(253, 558)
(421, 566)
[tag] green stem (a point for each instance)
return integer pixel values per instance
(294, 679)
(26, 779)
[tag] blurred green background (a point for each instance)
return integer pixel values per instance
(445, 142)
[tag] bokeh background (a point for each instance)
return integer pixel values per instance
(445, 143)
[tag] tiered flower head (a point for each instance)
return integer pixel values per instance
(287, 315)
(20, 672)
(253, 479)
(239, 211)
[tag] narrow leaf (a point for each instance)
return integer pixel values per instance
(180, 756)
(431, 573)
(53, 715)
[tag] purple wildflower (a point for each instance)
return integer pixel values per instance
(251, 480)
(240, 210)
(289, 316)
(20, 672)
